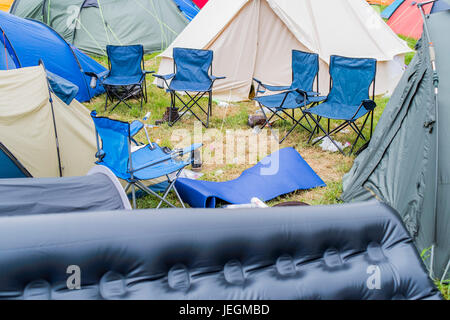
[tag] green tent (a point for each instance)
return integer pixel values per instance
(92, 24)
(411, 141)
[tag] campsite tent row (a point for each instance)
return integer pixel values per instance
(90, 25)
(405, 17)
(255, 38)
(24, 42)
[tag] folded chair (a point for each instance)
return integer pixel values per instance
(114, 145)
(192, 75)
(305, 69)
(125, 78)
(348, 100)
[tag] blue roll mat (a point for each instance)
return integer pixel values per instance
(282, 172)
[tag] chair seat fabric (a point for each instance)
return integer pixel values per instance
(123, 80)
(293, 100)
(337, 111)
(146, 155)
(179, 85)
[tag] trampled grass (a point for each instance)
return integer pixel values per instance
(329, 166)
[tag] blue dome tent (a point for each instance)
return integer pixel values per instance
(24, 42)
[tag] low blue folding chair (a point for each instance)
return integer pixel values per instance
(192, 75)
(305, 69)
(125, 78)
(348, 100)
(114, 150)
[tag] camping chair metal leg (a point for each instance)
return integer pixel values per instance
(209, 108)
(189, 105)
(151, 192)
(179, 197)
(106, 98)
(326, 135)
(170, 187)
(359, 134)
(133, 194)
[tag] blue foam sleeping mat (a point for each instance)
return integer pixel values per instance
(282, 172)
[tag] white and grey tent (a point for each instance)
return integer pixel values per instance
(407, 163)
(39, 132)
(255, 38)
(99, 190)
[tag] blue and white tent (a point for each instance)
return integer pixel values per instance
(24, 42)
(188, 8)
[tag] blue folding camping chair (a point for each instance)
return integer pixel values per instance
(192, 75)
(125, 78)
(305, 69)
(348, 100)
(114, 150)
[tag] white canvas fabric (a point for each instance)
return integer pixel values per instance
(27, 130)
(255, 38)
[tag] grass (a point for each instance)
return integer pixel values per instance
(330, 166)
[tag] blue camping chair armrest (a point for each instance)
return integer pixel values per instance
(214, 78)
(164, 77)
(170, 156)
(369, 104)
(148, 72)
(135, 127)
(100, 75)
(313, 93)
(269, 87)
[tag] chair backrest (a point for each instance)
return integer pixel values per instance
(125, 60)
(192, 65)
(305, 67)
(351, 79)
(114, 137)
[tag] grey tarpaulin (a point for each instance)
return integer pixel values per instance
(99, 190)
(399, 166)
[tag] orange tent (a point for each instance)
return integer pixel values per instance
(5, 5)
(382, 2)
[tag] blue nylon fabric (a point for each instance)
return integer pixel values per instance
(135, 127)
(351, 78)
(126, 65)
(65, 90)
(143, 156)
(33, 40)
(305, 67)
(293, 100)
(8, 59)
(192, 70)
(114, 136)
(90, 65)
(188, 8)
(389, 11)
(293, 174)
(8, 169)
(439, 6)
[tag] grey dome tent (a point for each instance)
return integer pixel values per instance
(407, 163)
(90, 25)
(99, 190)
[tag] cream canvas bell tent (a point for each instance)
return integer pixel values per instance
(255, 38)
(30, 120)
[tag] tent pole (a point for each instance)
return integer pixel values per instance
(54, 120)
(432, 53)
